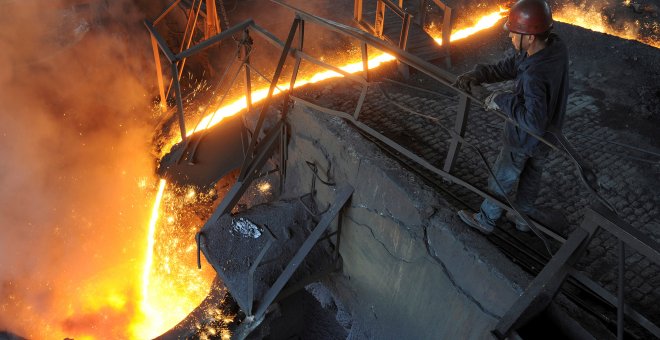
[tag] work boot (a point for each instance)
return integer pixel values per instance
(472, 220)
(521, 225)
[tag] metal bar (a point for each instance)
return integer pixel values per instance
(459, 127)
(421, 13)
(396, 9)
(266, 105)
(235, 193)
(215, 39)
(405, 29)
(446, 34)
(547, 283)
(159, 75)
(296, 66)
(365, 61)
(283, 154)
(422, 162)
(187, 40)
(357, 10)
(620, 304)
(212, 24)
(379, 22)
(161, 42)
(179, 103)
(253, 268)
(360, 102)
(626, 233)
(248, 80)
(167, 10)
(340, 222)
(613, 301)
(343, 194)
(189, 22)
(400, 3)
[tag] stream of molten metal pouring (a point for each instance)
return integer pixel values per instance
(155, 321)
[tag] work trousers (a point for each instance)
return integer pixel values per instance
(513, 167)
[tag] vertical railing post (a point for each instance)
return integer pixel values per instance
(421, 13)
(620, 304)
(266, 103)
(447, 21)
(405, 29)
(159, 74)
(296, 66)
(179, 102)
(247, 49)
(357, 10)
(403, 43)
(459, 128)
(365, 61)
(380, 18)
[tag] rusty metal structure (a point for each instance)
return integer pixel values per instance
(395, 23)
(599, 216)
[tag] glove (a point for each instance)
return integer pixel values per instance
(489, 102)
(466, 81)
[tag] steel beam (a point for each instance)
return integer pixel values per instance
(179, 103)
(343, 194)
(459, 128)
(266, 105)
(613, 301)
(257, 162)
(625, 232)
(215, 39)
(159, 75)
(167, 10)
(161, 42)
(548, 282)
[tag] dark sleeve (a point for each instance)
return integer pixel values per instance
(505, 69)
(530, 110)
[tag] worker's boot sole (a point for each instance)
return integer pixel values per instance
(471, 220)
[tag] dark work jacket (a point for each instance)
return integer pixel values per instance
(538, 103)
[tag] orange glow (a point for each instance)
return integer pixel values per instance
(260, 94)
(590, 17)
(485, 22)
(172, 286)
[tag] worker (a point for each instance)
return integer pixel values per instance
(537, 104)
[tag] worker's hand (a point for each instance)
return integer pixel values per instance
(466, 81)
(489, 102)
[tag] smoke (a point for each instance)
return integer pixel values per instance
(75, 123)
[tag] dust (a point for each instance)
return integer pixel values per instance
(75, 123)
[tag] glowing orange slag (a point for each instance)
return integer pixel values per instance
(590, 16)
(484, 22)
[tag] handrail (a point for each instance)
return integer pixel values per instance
(446, 78)
(395, 8)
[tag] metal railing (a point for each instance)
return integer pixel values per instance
(548, 282)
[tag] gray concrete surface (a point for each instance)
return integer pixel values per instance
(407, 263)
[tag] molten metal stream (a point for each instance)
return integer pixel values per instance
(144, 305)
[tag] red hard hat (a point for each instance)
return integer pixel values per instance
(529, 17)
